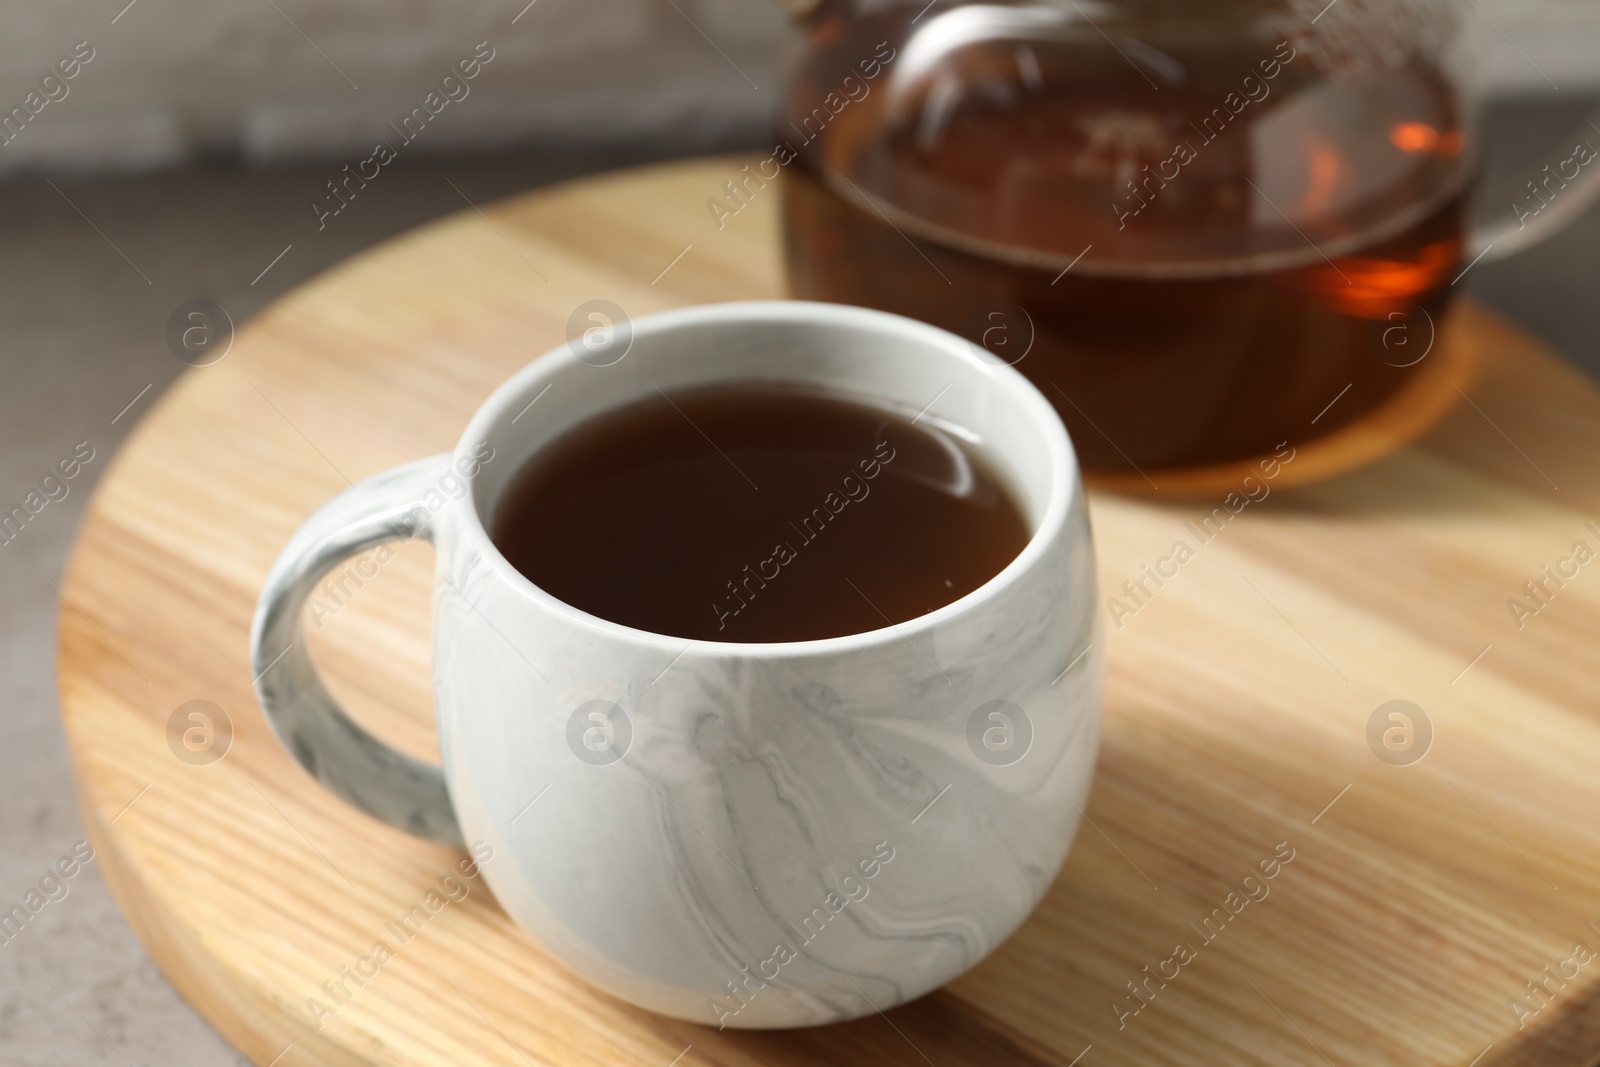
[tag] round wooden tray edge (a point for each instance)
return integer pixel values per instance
(175, 952)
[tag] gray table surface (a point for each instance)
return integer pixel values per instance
(89, 271)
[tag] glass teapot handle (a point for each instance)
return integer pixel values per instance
(1549, 201)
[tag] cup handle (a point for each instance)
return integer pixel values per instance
(383, 782)
(1535, 220)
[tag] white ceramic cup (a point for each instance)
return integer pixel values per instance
(749, 835)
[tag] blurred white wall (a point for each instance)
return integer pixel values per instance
(1536, 46)
(277, 79)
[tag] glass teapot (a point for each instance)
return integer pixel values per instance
(1210, 231)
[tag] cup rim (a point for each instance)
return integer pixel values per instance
(1065, 478)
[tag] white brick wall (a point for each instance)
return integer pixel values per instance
(172, 77)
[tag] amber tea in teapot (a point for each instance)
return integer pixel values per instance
(1202, 230)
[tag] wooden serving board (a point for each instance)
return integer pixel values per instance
(1420, 898)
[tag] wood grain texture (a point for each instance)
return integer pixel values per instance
(1415, 908)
